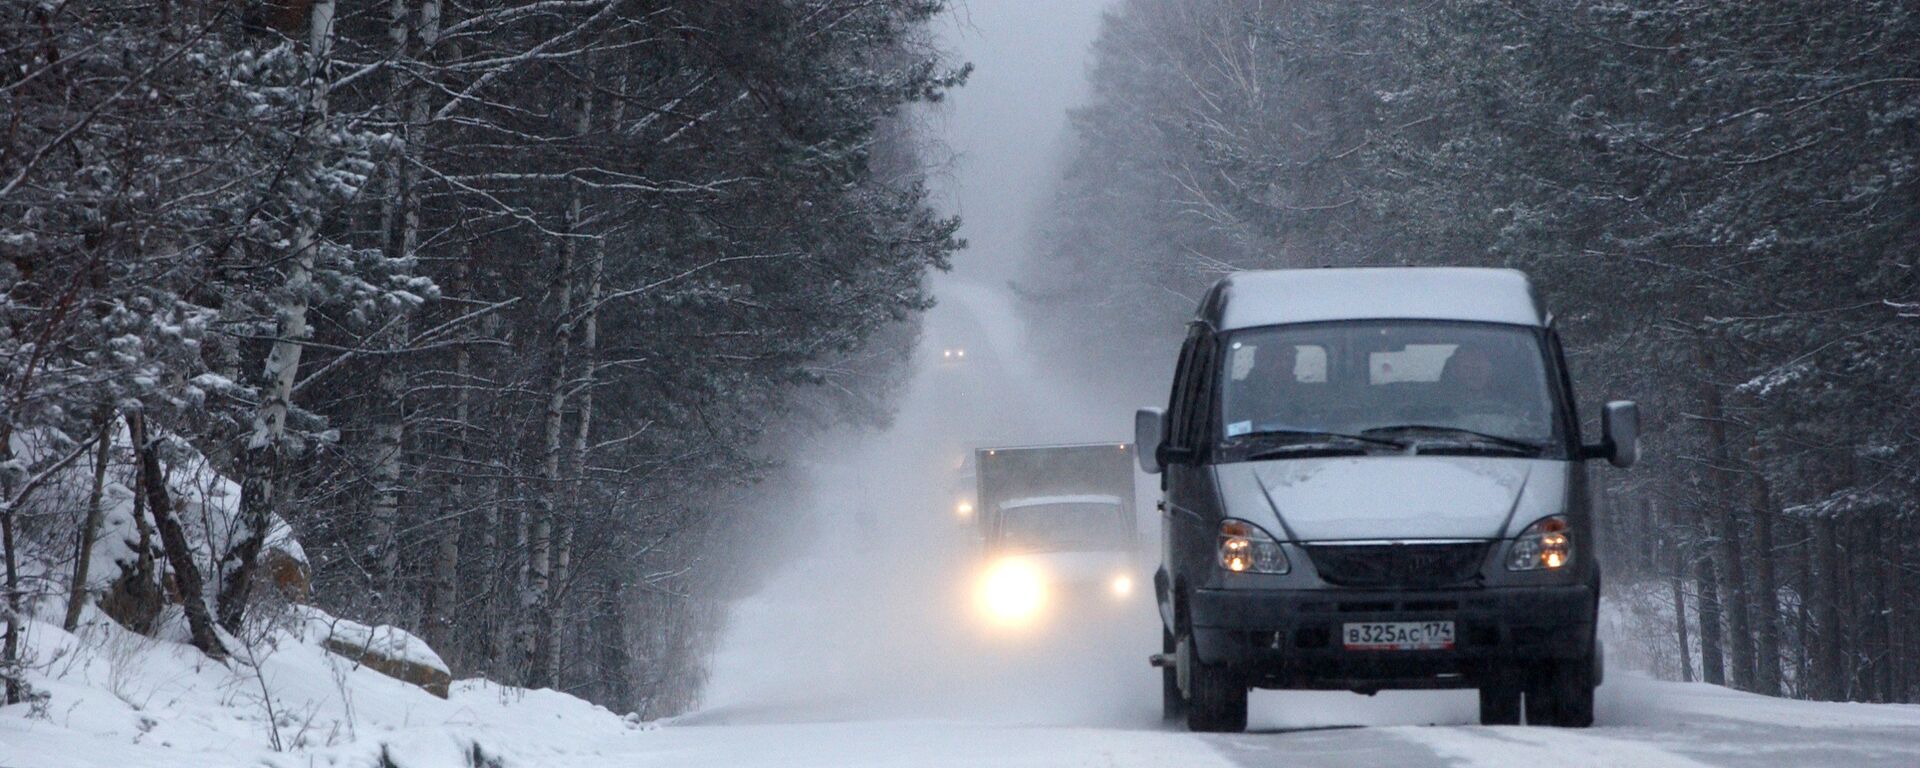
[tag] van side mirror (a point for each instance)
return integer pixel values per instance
(1619, 434)
(1149, 431)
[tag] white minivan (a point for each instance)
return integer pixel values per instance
(1374, 478)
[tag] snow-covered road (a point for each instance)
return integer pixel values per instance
(1645, 723)
(1642, 723)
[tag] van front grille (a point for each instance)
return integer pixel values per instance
(1410, 565)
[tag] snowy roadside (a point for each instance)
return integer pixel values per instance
(116, 699)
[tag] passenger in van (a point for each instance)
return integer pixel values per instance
(1482, 403)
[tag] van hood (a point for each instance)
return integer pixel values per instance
(1394, 497)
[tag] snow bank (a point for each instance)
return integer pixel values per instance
(1638, 700)
(116, 699)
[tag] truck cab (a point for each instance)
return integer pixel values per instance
(1374, 478)
(1057, 529)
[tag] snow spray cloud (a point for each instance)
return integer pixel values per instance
(876, 621)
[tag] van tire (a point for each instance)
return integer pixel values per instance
(1500, 704)
(1173, 703)
(1217, 699)
(1561, 694)
(1573, 686)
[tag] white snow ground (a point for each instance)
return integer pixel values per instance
(119, 701)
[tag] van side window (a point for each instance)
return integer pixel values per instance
(1563, 376)
(1179, 402)
(1202, 384)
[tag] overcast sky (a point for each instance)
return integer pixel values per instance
(1006, 127)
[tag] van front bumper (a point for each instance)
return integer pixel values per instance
(1292, 638)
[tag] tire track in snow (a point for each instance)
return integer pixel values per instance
(1499, 747)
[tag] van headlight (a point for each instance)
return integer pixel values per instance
(1545, 545)
(1244, 548)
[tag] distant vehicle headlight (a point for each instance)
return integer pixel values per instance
(1122, 585)
(1545, 545)
(1012, 592)
(1244, 548)
(963, 509)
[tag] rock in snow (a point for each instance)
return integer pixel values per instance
(389, 650)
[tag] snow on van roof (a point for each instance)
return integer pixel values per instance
(1036, 501)
(1278, 296)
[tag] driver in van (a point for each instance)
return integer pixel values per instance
(1274, 400)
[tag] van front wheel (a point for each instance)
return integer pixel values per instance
(1500, 704)
(1561, 694)
(1217, 700)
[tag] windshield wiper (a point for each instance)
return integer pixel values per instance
(1325, 435)
(1316, 442)
(1502, 440)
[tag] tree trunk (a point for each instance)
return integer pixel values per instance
(583, 424)
(1854, 617)
(552, 484)
(1713, 667)
(1894, 618)
(385, 445)
(1735, 600)
(400, 227)
(1900, 617)
(10, 646)
(264, 454)
(443, 573)
(1804, 589)
(1827, 681)
(173, 541)
(614, 660)
(1880, 576)
(540, 528)
(140, 587)
(500, 577)
(90, 527)
(442, 579)
(1679, 560)
(1767, 589)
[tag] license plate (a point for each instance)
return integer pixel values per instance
(1398, 635)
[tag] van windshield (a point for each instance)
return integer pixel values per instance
(1444, 385)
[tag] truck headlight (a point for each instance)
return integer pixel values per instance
(1012, 592)
(1244, 548)
(1545, 545)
